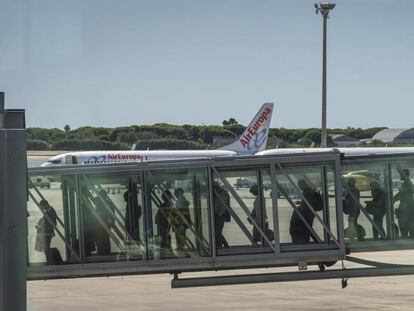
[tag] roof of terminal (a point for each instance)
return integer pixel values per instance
(389, 135)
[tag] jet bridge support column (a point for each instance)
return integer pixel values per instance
(13, 214)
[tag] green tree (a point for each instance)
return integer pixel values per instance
(129, 137)
(231, 121)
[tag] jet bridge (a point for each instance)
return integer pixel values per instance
(183, 216)
(292, 210)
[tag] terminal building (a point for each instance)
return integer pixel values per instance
(342, 140)
(398, 136)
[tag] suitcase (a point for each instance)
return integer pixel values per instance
(53, 256)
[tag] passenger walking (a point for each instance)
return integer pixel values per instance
(163, 219)
(405, 211)
(259, 215)
(45, 229)
(133, 212)
(221, 202)
(180, 218)
(299, 231)
(377, 208)
(351, 208)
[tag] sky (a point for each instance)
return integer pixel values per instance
(123, 62)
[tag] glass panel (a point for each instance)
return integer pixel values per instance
(241, 209)
(52, 228)
(110, 209)
(303, 194)
(268, 204)
(178, 214)
(403, 201)
(365, 201)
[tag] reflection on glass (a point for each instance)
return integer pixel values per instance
(111, 212)
(303, 195)
(365, 201)
(403, 190)
(52, 238)
(240, 209)
(177, 206)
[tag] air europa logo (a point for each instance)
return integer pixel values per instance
(114, 157)
(119, 156)
(252, 130)
(258, 140)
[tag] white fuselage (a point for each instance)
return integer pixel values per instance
(93, 157)
(348, 152)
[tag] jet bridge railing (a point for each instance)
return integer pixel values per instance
(188, 215)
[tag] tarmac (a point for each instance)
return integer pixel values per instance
(152, 292)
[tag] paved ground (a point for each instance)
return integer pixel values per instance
(154, 293)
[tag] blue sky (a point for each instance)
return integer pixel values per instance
(114, 63)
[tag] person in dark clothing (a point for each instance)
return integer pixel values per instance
(133, 213)
(405, 211)
(377, 208)
(351, 208)
(105, 211)
(259, 216)
(221, 201)
(298, 230)
(163, 219)
(45, 228)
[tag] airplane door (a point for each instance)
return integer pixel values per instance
(68, 159)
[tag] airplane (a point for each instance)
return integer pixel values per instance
(253, 140)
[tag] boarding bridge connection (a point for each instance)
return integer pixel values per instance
(178, 216)
(218, 214)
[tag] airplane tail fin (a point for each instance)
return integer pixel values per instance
(254, 138)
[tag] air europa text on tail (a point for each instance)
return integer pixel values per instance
(252, 130)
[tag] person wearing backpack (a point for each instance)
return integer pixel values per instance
(299, 232)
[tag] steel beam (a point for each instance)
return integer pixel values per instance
(13, 217)
(290, 276)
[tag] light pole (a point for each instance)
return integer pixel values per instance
(324, 8)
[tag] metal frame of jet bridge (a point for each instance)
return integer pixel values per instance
(332, 248)
(278, 174)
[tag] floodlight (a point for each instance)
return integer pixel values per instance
(327, 6)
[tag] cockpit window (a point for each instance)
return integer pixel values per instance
(55, 161)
